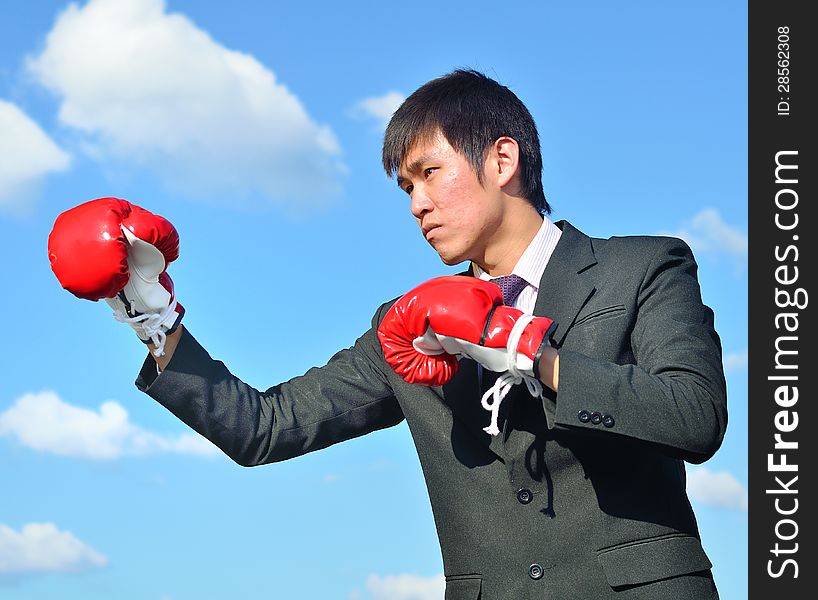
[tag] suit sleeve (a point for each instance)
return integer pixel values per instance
(346, 398)
(674, 396)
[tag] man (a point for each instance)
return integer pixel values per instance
(576, 489)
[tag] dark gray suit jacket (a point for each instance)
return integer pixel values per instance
(582, 495)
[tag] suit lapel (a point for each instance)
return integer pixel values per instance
(566, 284)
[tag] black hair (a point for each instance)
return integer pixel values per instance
(472, 111)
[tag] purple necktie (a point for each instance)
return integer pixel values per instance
(511, 286)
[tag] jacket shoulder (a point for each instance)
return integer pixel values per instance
(644, 245)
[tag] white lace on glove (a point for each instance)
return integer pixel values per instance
(149, 326)
(510, 378)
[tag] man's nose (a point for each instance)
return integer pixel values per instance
(421, 203)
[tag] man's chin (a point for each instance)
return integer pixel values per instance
(447, 254)
(450, 259)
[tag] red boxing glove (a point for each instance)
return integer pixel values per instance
(112, 249)
(426, 329)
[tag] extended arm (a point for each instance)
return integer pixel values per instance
(346, 398)
(111, 249)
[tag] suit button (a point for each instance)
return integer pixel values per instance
(596, 418)
(524, 496)
(608, 421)
(535, 571)
(584, 416)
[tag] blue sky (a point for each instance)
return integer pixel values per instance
(255, 127)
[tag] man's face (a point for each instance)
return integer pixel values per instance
(457, 215)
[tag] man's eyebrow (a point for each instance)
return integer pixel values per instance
(415, 165)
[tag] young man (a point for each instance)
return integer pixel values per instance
(577, 487)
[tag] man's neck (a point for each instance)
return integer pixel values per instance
(512, 239)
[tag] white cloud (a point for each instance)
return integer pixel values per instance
(42, 548)
(716, 489)
(150, 87)
(28, 155)
(406, 587)
(379, 108)
(706, 232)
(45, 423)
(735, 361)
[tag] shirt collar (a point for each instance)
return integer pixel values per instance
(532, 263)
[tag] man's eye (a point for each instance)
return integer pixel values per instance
(428, 171)
(408, 189)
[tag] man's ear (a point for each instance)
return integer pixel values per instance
(504, 160)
